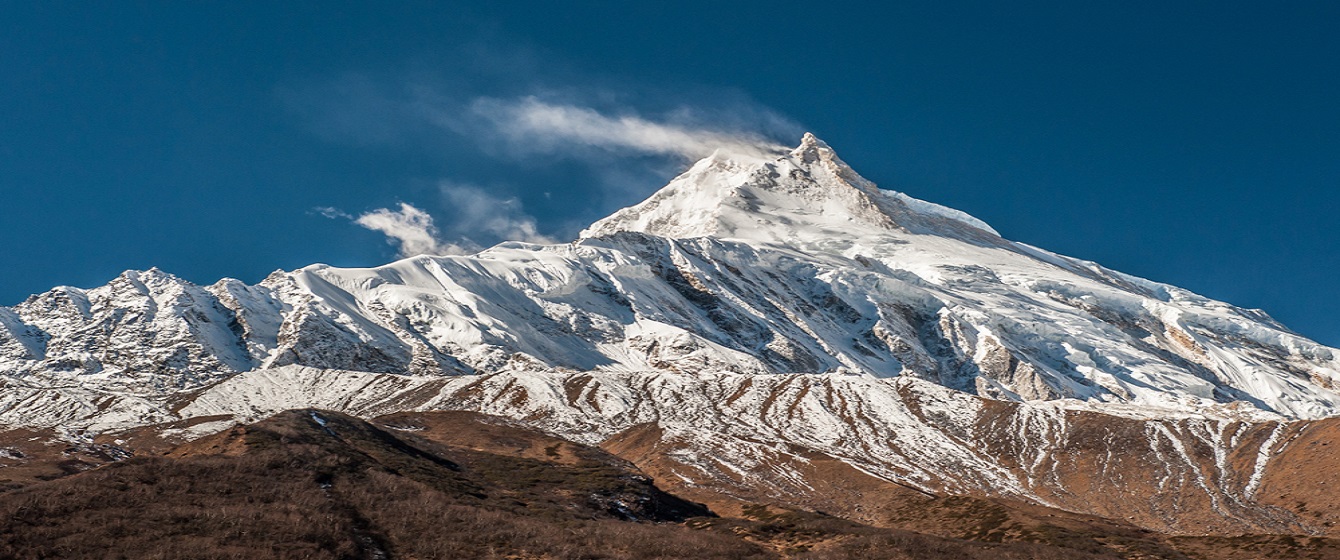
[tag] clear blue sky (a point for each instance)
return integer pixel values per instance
(1196, 144)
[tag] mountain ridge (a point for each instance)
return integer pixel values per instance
(705, 275)
(757, 312)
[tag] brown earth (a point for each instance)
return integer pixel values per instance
(30, 456)
(464, 485)
(838, 489)
(1305, 476)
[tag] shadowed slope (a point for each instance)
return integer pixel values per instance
(319, 484)
(308, 484)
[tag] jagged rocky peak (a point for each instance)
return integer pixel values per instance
(807, 194)
(813, 151)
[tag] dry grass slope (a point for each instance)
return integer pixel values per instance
(321, 485)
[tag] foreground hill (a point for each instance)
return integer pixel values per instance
(320, 484)
(766, 437)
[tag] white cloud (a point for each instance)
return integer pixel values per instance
(478, 213)
(410, 228)
(613, 142)
(332, 213)
(539, 126)
(476, 216)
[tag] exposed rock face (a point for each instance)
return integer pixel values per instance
(142, 329)
(750, 307)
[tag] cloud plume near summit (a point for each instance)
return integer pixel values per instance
(531, 124)
(477, 218)
(410, 229)
(548, 140)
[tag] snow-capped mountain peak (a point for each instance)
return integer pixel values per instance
(807, 195)
(813, 151)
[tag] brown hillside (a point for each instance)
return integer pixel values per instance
(317, 484)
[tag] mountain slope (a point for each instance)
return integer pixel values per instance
(318, 484)
(759, 436)
(795, 264)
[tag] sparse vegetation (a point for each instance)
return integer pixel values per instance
(319, 485)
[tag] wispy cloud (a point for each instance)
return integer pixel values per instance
(532, 124)
(495, 113)
(409, 228)
(479, 213)
(332, 213)
(476, 218)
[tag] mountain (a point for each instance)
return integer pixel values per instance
(755, 318)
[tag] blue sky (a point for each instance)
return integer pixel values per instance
(1196, 144)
